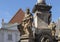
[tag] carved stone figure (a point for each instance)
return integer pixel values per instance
(52, 27)
(28, 22)
(20, 28)
(26, 26)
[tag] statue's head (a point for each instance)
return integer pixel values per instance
(27, 10)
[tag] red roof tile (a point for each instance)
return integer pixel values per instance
(18, 17)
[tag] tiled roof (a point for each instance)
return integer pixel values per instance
(18, 17)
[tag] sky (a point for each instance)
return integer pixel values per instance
(8, 8)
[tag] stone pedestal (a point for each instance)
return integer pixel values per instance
(26, 38)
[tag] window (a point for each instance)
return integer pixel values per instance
(9, 37)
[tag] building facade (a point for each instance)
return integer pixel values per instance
(9, 31)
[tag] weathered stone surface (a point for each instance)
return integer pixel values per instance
(26, 28)
(26, 38)
(41, 19)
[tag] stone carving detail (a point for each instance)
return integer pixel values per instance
(28, 22)
(52, 26)
(25, 27)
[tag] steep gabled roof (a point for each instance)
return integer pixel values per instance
(18, 17)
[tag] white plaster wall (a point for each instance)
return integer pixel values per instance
(4, 35)
(1, 36)
(10, 26)
(17, 36)
(13, 28)
(14, 36)
(9, 29)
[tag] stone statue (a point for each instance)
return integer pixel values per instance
(25, 27)
(28, 22)
(52, 26)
